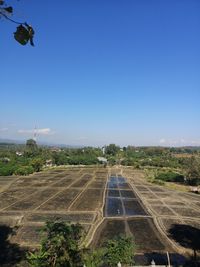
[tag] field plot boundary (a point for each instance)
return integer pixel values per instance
(184, 207)
(29, 218)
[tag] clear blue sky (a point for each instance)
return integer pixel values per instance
(102, 71)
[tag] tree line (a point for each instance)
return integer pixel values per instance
(171, 164)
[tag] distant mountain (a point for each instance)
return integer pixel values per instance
(11, 141)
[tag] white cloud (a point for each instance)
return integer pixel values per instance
(42, 131)
(3, 129)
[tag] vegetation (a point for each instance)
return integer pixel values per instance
(112, 149)
(193, 171)
(170, 177)
(120, 249)
(94, 258)
(162, 164)
(60, 247)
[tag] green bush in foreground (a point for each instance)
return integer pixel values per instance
(120, 249)
(60, 247)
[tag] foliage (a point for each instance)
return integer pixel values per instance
(176, 160)
(24, 170)
(59, 247)
(120, 249)
(112, 149)
(31, 144)
(128, 162)
(6, 169)
(84, 159)
(24, 32)
(37, 164)
(94, 258)
(170, 177)
(112, 160)
(192, 167)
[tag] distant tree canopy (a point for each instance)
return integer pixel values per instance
(31, 144)
(170, 177)
(192, 166)
(112, 149)
(24, 32)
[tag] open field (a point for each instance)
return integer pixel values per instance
(130, 206)
(172, 210)
(74, 194)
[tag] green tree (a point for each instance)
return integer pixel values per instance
(37, 164)
(112, 149)
(59, 247)
(31, 145)
(120, 249)
(193, 171)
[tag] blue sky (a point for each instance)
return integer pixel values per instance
(103, 71)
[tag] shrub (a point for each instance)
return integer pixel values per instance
(7, 169)
(170, 177)
(120, 249)
(24, 170)
(193, 182)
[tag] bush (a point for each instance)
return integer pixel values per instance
(84, 160)
(24, 170)
(7, 169)
(120, 249)
(170, 177)
(59, 246)
(193, 182)
(128, 162)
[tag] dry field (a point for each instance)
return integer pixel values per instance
(175, 213)
(151, 214)
(74, 194)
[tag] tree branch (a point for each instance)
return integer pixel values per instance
(6, 17)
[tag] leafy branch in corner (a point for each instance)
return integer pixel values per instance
(24, 32)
